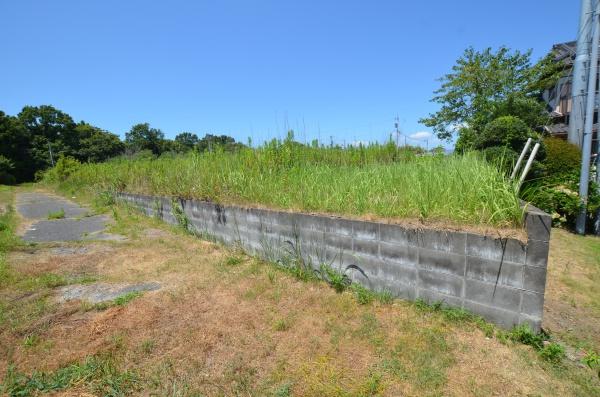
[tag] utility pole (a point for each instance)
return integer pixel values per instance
(50, 151)
(582, 58)
(397, 126)
(586, 150)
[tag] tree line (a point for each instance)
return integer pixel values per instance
(33, 140)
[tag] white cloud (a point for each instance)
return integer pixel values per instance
(420, 135)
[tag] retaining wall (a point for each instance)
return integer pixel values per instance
(503, 280)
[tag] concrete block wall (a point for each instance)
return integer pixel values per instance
(503, 280)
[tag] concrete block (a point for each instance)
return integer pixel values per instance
(440, 282)
(366, 247)
(534, 278)
(444, 241)
(538, 224)
(340, 226)
(495, 249)
(443, 262)
(402, 254)
(398, 235)
(495, 296)
(369, 265)
(537, 253)
(505, 273)
(363, 230)
(396, 288)
(535, 323)
(337, 241)
(532, 304)
(397, 272)
(504, 318)
(432, 297)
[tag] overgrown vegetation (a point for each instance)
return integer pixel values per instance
(378, 180)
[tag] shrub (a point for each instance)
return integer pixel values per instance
(506, 131)
(64, 168)
(562, 157)
(559, 196)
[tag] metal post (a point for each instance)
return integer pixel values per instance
(520, 160)
(581, 62)
(586, 150)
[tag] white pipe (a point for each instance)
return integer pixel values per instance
(520, 160)
(529, 162)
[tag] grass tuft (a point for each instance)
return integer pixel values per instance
(60, 214)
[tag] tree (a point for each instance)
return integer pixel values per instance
(15, 145)
(185, 141)
(96, 145)
(142, 137)
(6, 171)
(486, 85)
(211, 142)
(48, 128)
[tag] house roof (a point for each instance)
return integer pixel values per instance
(565, 52)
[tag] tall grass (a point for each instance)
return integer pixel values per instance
(375, 180)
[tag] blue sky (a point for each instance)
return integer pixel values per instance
(341, 69)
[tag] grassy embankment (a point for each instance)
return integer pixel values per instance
(375, 182)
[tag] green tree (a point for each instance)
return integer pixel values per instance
(6, 171)
(143, 137)
(186, 141)
(96, 145)
(488, 84)
(49, 129)
(211, 142)
(15, 147)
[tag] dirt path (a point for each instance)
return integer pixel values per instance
(224, 324)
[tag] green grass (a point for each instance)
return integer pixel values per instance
(119, 301)
(377, 180)
(99, 374)
(60, 214)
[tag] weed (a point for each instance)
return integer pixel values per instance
(363, 296)
(31, 340)
(179, 214)
(148, 345)
(552, 352)
(592, 360)
(119, 301)
(285, 390)
(282, 324)
(524, 334)
(128, 297)
(338, 281)
(384, 297)
(233, 260)
(60, 214)
(99, 374)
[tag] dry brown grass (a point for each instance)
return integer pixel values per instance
(217, 328)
